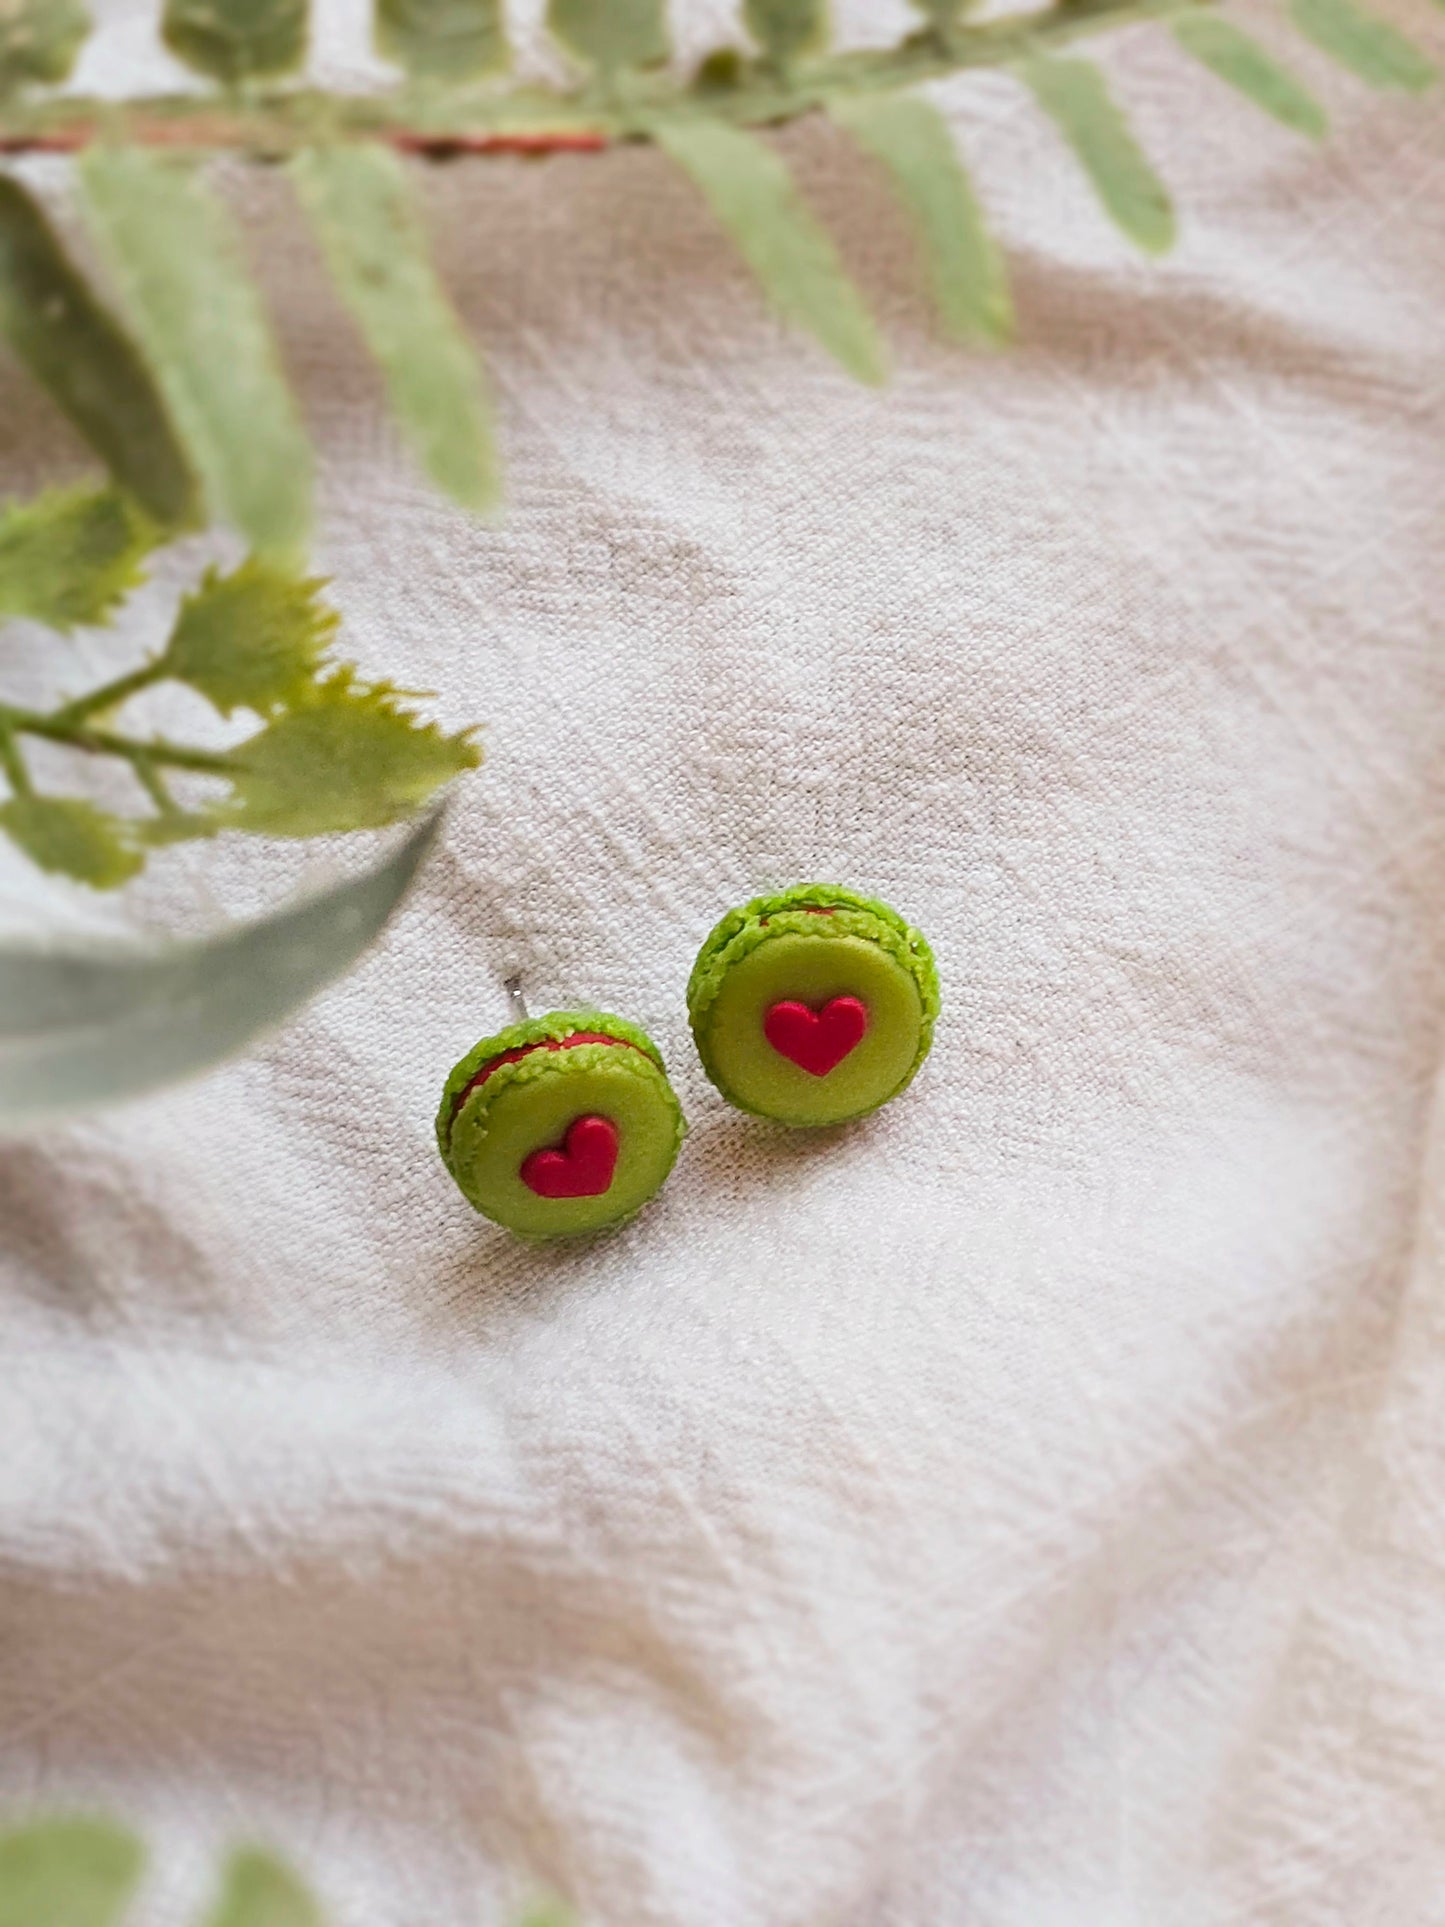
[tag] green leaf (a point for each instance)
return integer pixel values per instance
(251, 640)
(80, 356)
(442, 39)
(912, 140)
(611, 34)
(753, 196)
(237, 40)
(1073, 94)
(348, 758)
(1370, 48)
(259, 1891)
(360, 201)
(784, 29)
(67, 1873)
(174, 252)
(73, 839)
(39, 40)
(939, 13)
(70, 557)
(1244, 65)
(720, 72)
(84, 1027)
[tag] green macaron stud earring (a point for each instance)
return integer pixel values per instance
(560, 1125)
(813, 1006)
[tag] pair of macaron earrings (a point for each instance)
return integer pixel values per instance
(811, 1007)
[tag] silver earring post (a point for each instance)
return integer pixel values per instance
(516, 1002)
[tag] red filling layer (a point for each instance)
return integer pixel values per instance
(526, 1050)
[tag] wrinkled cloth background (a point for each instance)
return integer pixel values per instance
(1021, 1510)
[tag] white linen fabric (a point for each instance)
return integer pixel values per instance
(1019, 1510)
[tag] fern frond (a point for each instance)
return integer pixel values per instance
(611, 35)
(1368, 47)
(80, 355)
(179, 264)
(797, 266)
(909, 136)
(360, 203)
(69, 1871)
(1244, 65)
(444, 40)
(39, 41)
(258, 1890)
(1076, 98)
(235, 41)
(785, 30)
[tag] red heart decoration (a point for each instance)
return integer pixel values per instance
(816, 1041)
(582, 1166)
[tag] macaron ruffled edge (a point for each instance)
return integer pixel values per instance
(555, 1028)
(793, 911)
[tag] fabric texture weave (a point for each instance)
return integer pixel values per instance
(1021, 1509)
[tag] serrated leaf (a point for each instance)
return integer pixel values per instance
(611, 34)
(175, 254)
(72, 838)
(39, 40)
(350, 757)
(253, 639)
(84, 1027)
(258, 1891)
(442, 39)
(753, 196)
(1074, 95)
(68, 558)
(360, 202)
(1370, 48)
(1244, 65)
(237, 40)
(82, 358)
(913, 141)
(67, 1873)
(784, 29)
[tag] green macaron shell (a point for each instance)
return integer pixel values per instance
(487, 1131)
(778, 948)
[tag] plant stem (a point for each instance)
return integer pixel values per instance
(109, 695)
(156, 751)
(12, 764)
(279, 121)
(154, 785)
